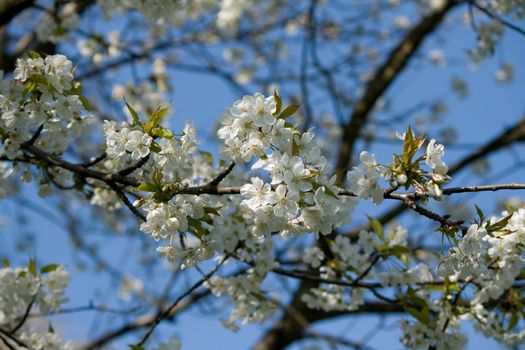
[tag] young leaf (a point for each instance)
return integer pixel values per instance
(278, 102)
(154, 147)
(134, 115)
(85, 103)
(514, 318)
(34, 55)
(162, 132)
(136, 347)
(288, 111)
(499, 225)
(480, 214)
(210, 210)
(32, 267)
(155, 119)
(148, 187)
(48, 268)
(377, 227)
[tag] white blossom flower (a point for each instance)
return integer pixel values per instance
(138, 144)
(313, 256)
(364, 179)
(259, 194)
(433, 157)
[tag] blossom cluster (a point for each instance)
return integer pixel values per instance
(490, 256)
(41, 95)
(41, 105)
(353, 260)
(300, 195)
(366, 178)
(22, 288)
(420, 336)
(177, 12)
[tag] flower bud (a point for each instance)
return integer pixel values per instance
(439, 178)
(402, 179)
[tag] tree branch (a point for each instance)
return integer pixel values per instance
(9, 9)
(515, 133)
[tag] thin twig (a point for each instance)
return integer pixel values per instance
(217, 180)
(24, 317)
(138, 165)
(94, 161)
(126, 201)
(161, 315)
(497, 18)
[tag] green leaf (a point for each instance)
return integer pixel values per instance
(207, 155)
(404, 259)
(162, 132)
(134, 115)
(422, 315)
(32, 267)
(210, 210)
(34, 55)
(6, 262)
(136, 347)
(258, 296)
(407, 142)
(288, 111)
(295, 149)
(377, 227)
(157, 178)
(499, 225)
(30, 87)
(85, 103)
(147, 187)
(155, 119)
(514, 318)
(154, 147)
(278, 102)
(48, 268)
(197, 229)
(480, 214)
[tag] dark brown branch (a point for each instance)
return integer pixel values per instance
(9, 9)
(444, 221)
(79, 169)
(484, 188)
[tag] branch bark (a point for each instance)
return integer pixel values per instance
(9, 9)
